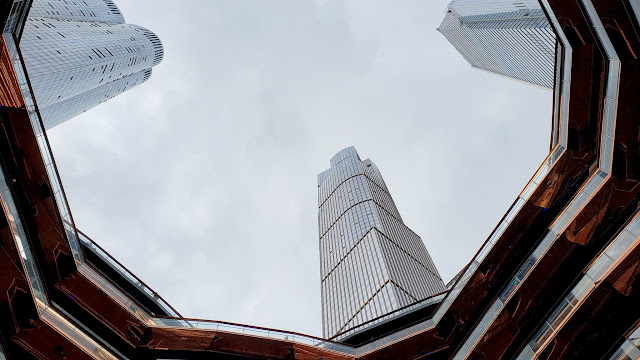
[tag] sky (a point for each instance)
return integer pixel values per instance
(202, 181)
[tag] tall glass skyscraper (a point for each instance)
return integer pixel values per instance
(371, 262)
(79, 54)
(508, 37)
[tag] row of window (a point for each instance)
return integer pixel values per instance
(81, 60)
(336, 176)
(522, 48)
(349, 193)
(416, 279)
(371, 263)
(353, 193)
(62, 111)
(87, 10)
(357, 279)
(344, 235)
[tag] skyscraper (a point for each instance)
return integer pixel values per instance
(371, 262)
(507, 37)
(79, 54)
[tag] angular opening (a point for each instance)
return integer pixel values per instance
(513, 304)
(619, 165)
(45, 189)
(549, 349)
(619, 41)
(21, 305)
(575, 40)
(65, 265)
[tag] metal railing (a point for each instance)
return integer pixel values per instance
(597, 272)
(125, 273)
(16, 18)
(581, 199)
(254, 331)
(28, 262)
(19, 11)
(48, 314)
(560, 122)
(630, 348)
(392, 315)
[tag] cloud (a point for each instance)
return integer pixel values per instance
(203, 180)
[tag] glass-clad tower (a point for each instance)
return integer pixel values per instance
(79, 54)
(508, 37)
(371, 262)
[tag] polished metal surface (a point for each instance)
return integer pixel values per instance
(606, 262)
(630, 348)
(586, 193)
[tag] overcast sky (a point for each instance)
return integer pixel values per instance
(202, 181)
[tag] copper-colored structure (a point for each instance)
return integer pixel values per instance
(557, 279)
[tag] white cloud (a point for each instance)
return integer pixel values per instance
(203, 180)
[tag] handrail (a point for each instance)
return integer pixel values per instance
(600, 268)
(398, 312)
(162, 321)
(581, 199)
(55, 182)
(630, 348)
(104, 255)
(47, 313)
(191, 323)
(31, 272)
(16, 19)
(560, 122)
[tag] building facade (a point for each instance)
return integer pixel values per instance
(79, 54)
(371, 262)
(510, 38)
